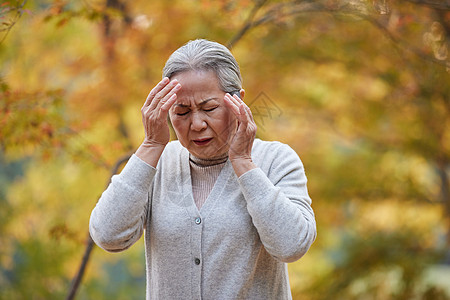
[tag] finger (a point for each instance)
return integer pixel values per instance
(249, 113)
(243, 117)
(243, 109)
(239, 112)
(155, 90)
(231, 104)
(168, 98)
(163, 93)
(238, 102)
(168, 104)
(238, 99)
(234, 99)
(247, 126)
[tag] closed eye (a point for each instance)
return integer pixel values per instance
(182, 114)
(210, 109)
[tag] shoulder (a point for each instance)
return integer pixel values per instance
(173, 146)
(277, 160)
(173, 153)
(273, 149)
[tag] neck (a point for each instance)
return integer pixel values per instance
(204, 162)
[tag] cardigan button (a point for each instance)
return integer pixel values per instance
(197, 261)
(198, 220)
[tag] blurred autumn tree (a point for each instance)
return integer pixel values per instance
(362, 94)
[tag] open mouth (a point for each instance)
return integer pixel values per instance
(202, 142)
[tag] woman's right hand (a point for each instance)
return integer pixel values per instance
(154, 118)
(155, 110)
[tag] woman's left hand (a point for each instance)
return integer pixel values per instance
(240, 153)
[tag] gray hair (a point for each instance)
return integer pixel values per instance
(199, 55)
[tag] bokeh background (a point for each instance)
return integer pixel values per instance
(360, 89)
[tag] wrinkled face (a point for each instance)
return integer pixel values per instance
(202, 122)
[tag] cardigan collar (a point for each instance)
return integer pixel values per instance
(208, 162)
(225, 175)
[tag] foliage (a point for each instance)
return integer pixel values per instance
(361, 93)
(357, 275)
(10, 12)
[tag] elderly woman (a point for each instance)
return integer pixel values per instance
(222, 212)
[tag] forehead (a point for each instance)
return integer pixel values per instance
(198, 87)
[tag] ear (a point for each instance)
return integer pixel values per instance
(242, 94)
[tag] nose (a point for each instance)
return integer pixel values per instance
(198, 123)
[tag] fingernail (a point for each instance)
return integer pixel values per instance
(165, 79)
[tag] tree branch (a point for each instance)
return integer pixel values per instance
(436, 4)
(90, 243)
(79, 276)
(295, 8)
(8, 26)
(277, 11)
(445, 194)
(247, 24)
(405, 45)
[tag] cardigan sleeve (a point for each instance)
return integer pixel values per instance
(280, 206)
(118, 219)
